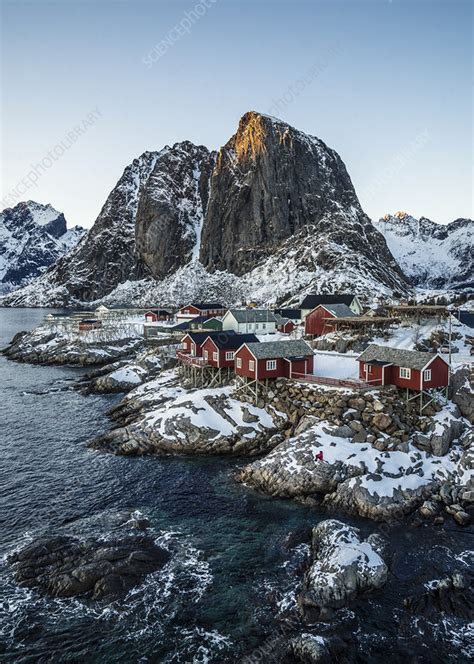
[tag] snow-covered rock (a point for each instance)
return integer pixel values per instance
(46, 345)
(204, 421)
(355, 477)
(32, 238)
(343, 566)
(432, 255)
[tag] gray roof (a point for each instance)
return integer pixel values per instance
(281, 320)
(312, 301)
(340, 310)
(253, 315)
(274, 349)
(412, 359)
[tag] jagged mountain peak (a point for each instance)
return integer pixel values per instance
(432, 255)
(33, 236)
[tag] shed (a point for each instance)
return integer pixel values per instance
(310, 302)
(317, 322)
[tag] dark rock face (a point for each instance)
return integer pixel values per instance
(272, 182)
(32, 238)
(106, 257)
(171, 209)
(67, 567)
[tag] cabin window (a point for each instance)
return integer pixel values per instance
(264, 326)
(206, 355)
(184, 345)
(271, 365)
(368, 368)
(427, 375)
(193, 349)
(405, 373)
(239, 363)
(229, 355)
(251, 365)
(215, 356)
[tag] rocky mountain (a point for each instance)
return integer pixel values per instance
(432, 255)
(271, 216)
(32, 238)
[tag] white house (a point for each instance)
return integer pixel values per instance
(101, 310)
(250, 321)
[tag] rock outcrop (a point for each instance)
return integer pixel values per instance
(272, 182)
(64, 566)
(205, 421)
(453, 595)
(47, 345)
(343, 566)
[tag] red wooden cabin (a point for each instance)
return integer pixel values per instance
(155, 315)
(192, 342)
(207, 310)
(318, 321)
(284, 325)
(411, 369)
(219, 349)
(274, 359)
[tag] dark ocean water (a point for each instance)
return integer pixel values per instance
(232, 570)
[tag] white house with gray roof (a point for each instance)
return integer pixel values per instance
(250, 321)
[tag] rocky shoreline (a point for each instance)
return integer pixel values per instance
(380, 460)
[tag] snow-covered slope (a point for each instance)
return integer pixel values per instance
(432, 255)
(32, 238)
(273, 215)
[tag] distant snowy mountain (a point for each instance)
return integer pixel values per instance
(432, 255)
(32, 238)
(272, 215)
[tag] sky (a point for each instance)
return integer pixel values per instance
(89, 86)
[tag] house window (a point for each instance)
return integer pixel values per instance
(239, 363)
(271, 365)
(229, 355)
(215, 356)
(251, 365)
(368, 368)
(206, 355)
(427, 375)
(405, 373)
(193, 349)
(184, 345)
(264, 326)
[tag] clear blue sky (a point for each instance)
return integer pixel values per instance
(387, 83)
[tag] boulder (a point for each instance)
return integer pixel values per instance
(343, 566)
(310, 649)
(63, 566)
(381, 421)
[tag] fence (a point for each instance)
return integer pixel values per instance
(190, 360)
(336, 382)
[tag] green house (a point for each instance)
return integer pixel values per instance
(202, 323)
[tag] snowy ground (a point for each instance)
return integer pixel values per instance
(335, 365)
(406, 336)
